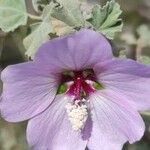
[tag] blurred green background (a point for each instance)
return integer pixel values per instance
(135, 14)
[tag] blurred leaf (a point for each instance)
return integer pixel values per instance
(39, 33)
(12, 14)
(17, 37)
(12, 136)
(10, 54)
(146, 113)
(144, 36)
(69, 12)
(144, 60)
(106, 19)
(129, 38)
(138, 146)
(142, 146)
(122, 54)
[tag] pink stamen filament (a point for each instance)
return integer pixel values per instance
(80, 84)
(87, 88)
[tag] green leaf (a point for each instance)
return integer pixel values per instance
(106, 19)
(46, 15)
(69, 12)
(39, 34)
(12, 14)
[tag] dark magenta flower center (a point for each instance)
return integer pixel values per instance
(80, 83)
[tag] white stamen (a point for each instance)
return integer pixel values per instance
(77, 115)
(89, 82)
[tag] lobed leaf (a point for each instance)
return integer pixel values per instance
(69, 12)
(106, 19)
(12, 14)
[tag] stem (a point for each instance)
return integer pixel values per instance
(138, 51)
(34, 17)
(131, 52)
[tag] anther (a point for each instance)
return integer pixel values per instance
(77, 115)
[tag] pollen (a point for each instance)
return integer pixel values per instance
(77, 115)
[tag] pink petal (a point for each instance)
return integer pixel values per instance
(128, 78)
(114, 122)
(74, 52)
(52, 130)
(27, 91)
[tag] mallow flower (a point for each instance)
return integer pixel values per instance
(76, 95)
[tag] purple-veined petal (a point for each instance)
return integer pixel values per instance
(51, 130)
(114, 122)
(74, 52)
(128, 77)
(28, 89)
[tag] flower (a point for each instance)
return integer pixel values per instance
(97, 106)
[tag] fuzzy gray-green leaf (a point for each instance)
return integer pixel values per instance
(69, 12)
(106, 19)
(40, 33)
(12, 14)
